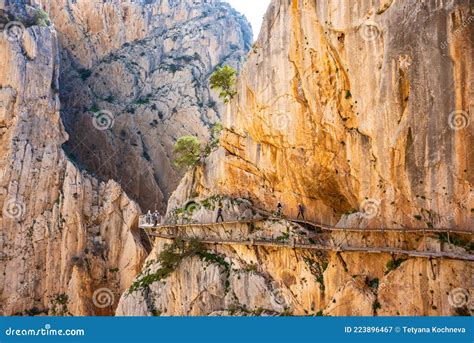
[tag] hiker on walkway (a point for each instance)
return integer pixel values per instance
(156, 218)
(148, 217)
(279, 211)
(219, 214)
(300, 212)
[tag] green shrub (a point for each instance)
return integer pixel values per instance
(283, 237)
(376, 305)
(374, 283)
(41, 18)
(394, 264)
(84, 73)
(94, 109)
(210, 258)
(142, 101)
(187, 152)
(456, 240)
(223, 79)
(214, 138)
(317, 269)
(169, 259)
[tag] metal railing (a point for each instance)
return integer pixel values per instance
(159, 229)
(144, 223)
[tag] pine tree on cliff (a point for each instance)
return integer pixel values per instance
(223, 79)
(187, 152)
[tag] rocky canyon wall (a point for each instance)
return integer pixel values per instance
(245, 279)
(141, 69)
(69, 243)
(360, 110)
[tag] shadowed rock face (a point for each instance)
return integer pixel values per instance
(141, 70)
(63, 233)
(361, 112)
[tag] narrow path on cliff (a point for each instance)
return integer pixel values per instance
(172, 231)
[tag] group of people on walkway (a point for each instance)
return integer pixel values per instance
(278, 213)
(153, 218)
(301, 209)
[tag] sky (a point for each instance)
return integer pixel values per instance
(254, 10)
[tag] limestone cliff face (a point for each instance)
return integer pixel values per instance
(141, 69)
(69, 243)
(361, 111)
(241, 279)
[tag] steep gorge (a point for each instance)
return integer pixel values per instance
(126, 79)
(361, 111)
(337, 108)
(142, 69)
(64, 234)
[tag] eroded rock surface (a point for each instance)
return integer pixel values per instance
(139, 71)
(64, 235)
(246, 280)
(361, 111)
(355, 108)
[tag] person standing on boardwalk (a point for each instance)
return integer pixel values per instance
(148, 217)
(279, 211)
(156, 218)
(300, 212)
(219, 214)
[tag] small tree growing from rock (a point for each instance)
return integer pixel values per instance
(214, 138)
(41, 17)
(187, 152)
(223, 79)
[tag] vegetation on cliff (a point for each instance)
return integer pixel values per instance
(223, 79)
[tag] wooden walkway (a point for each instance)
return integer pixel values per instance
(294, 242)
(312, 224)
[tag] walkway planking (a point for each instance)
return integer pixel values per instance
(322, 228)
(342, 248)
(313, 224)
